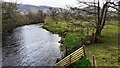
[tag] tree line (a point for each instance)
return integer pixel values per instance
(12, 17)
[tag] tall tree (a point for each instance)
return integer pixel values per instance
(65, 14)
(101, 12)
(40, 16)
(8, 12)
(53, 12)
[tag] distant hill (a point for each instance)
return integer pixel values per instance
(27, 7)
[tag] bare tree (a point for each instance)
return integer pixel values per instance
(40, 16)
(53, 12)
(101, 12)
(65, 14)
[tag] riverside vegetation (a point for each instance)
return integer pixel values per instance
(100, 39)
(74, 30)
(106, 53)
(12, 17)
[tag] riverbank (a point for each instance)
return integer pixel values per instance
(105, 53)
(69, 37)
(8, 27)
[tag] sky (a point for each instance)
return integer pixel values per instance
(53, 3)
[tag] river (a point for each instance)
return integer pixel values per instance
(30, 45)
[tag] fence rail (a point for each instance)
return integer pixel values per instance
(73, 57)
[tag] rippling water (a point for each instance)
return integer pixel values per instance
(30, 45)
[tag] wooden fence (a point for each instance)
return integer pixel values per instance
(73, 57)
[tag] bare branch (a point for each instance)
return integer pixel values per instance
(87, 2)
(91, 22)
(90, 4)
(115, 8)
(114, 4)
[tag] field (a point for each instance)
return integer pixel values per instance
(106, 53)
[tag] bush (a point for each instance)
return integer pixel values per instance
(83, 62)
(72, 39)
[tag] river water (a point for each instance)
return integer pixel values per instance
(30, 45)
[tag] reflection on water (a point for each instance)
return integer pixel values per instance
(30, 45)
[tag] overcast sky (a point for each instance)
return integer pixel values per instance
(54, 3)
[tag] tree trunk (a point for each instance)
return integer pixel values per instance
(97, 35)
(98, 32)
(101, 22)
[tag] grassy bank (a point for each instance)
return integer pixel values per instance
(6, 27)
(59, 27)
(69, 38)
(106, 53)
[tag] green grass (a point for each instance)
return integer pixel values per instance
(83, 62)
(72, 39)
(106, 53)
(56, 27)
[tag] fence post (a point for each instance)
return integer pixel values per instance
(84, 50)
(93, 61)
